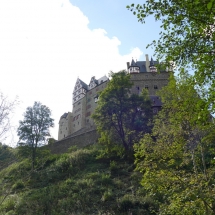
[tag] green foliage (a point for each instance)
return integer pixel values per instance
(7, 156)
(177, 159)
(187, 36)
(18, 185)
(121, 117)
(73, 183)
(51, 141)
(34, 129)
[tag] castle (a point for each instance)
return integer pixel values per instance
(144, 75)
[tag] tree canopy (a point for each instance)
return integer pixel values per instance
(177, 158)
(122, 117)
(187, 37)
(34, 129)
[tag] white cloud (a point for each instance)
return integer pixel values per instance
(44, 46)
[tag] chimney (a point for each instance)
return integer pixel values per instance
(147, 63)
(128, 64)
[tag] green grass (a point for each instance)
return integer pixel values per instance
(77, 182)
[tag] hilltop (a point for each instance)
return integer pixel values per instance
(81, 181)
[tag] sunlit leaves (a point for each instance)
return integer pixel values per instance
(177, 159)
(187, 36)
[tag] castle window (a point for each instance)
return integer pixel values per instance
(155, 87)
(87, 120)
(88, 106)
(101, 81)
(155, 110)
(96, 99)
(79, 103)
(88, 100)
(90, 92)
(146, 87)
(87, 114)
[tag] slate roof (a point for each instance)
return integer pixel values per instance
(103, 78)
(84, 85)
(142, 64)
(64, 115)
(152, 63)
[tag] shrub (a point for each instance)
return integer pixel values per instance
(125, 203)
(108, 195)
(18, 185)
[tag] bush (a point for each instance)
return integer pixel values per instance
(18, 185)
(125, 203)
(9, 204)
(108, 195)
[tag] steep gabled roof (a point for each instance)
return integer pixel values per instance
(151, 62)
(84, 85)
(102, 79)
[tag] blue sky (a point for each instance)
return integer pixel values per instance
(117, 20)
(45, 45)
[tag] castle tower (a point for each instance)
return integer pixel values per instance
(134, 68)
(147, 77)
(152, 66)
(144, 75)
(65, 125)
(79, 105)
(95, 87)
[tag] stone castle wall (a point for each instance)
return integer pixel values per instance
(150, 81)
(79, 139)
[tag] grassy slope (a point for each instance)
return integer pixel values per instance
(73, 183)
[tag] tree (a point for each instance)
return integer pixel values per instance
(122, 117)
(187, 37)
(177, 158)
(34, 129)
(6, 109)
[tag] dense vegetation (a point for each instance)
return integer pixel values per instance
(122, 118)
(177, 157)
(168, 169)
(81, 181)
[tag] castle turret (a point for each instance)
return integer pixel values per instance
(133, 68)
(152, 66)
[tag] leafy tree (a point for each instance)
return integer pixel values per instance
(177, 158)
(187, 36)
(122, 117)
(34, 129)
